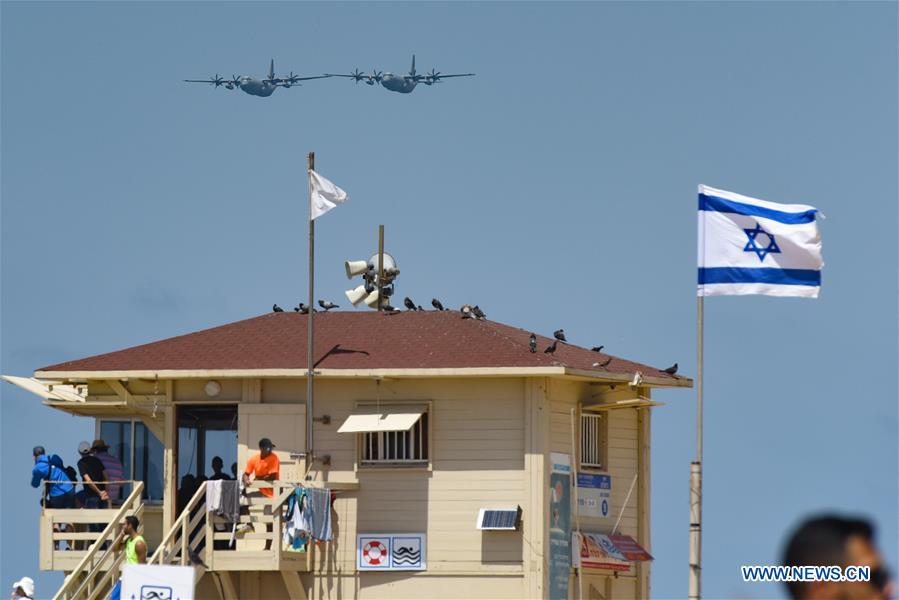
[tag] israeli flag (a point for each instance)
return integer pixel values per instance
(751, 246)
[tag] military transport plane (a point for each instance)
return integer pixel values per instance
(256, 87)
(404, 84)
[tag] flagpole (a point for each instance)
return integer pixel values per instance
(310, 360)
(694, 590)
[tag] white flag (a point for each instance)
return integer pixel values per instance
(751, 246)
(323, 194)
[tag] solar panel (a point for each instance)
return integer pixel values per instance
(499, 519)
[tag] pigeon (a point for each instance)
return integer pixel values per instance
(559, 334)
(671, 370)
(604, 363)
(407, 302)
(276, 308)
(466, 311)
(551, 348)
(597, 348)
(386, 306)
(532, 344)
(327, 305)
(478, 312)
(436, 304)
(302, 309)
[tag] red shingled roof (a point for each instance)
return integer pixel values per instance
(353, 340)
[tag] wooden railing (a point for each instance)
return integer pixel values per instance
(99, 566)
(195, 531)
(182, 538)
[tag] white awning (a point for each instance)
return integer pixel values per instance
(386, 417)
(47, 391)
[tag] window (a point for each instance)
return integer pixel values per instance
(140, 452)
(390, 434)
(593, 440)
(397, 447)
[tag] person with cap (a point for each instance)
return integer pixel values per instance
(115, 472)
(59, 493)
(93, 476)
(265, 466)
(23, 588)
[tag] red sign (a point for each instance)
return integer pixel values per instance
(613, 552)
(630, 548)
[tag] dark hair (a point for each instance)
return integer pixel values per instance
(820, 541)
(38, 451)
(218, 459)
(133, 521)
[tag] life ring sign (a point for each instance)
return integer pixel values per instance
(391, 552)
(374, 553)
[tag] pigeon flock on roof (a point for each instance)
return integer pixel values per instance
(468, 312)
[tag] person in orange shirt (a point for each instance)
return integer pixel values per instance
(265, 466)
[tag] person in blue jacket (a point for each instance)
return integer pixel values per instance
(57, 495)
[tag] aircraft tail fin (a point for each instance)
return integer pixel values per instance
(412, 72)
(271, 69)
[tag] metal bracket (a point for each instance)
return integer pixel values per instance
(324, 419)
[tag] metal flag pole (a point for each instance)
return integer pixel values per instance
(309, 330)
(380, 268)
(696, 470)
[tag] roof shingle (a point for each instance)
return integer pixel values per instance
(353, 340)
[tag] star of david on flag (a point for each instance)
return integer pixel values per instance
(752, 246)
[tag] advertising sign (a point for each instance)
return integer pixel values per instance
(614, 552)
(559, 526)
(391, 552)
(594, 495)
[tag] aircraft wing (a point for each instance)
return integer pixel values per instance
(292, 80)
(439, 77)
(216, 81)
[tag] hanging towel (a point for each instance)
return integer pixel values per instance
(214, 496)
(320, 507)
(229, 507)
(298, 526)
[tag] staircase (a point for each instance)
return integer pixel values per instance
(98, 571)
(186, 534)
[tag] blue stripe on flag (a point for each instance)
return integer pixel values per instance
(718, 204)
(775, 276)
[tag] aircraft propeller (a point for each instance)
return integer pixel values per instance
(432, 77)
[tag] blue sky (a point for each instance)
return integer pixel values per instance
(555, 189)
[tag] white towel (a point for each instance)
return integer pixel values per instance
(214, 495)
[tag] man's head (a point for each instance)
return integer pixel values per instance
(84, 448)
(99, 446)
(38, 451)
(217, 464)
(234, 469)
(131, 525)
(265, 447)
(831, 540)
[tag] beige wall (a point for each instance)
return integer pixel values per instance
(477, 461)
(623, 465)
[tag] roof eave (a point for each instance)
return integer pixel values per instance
(301, 373)
(656, 382)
